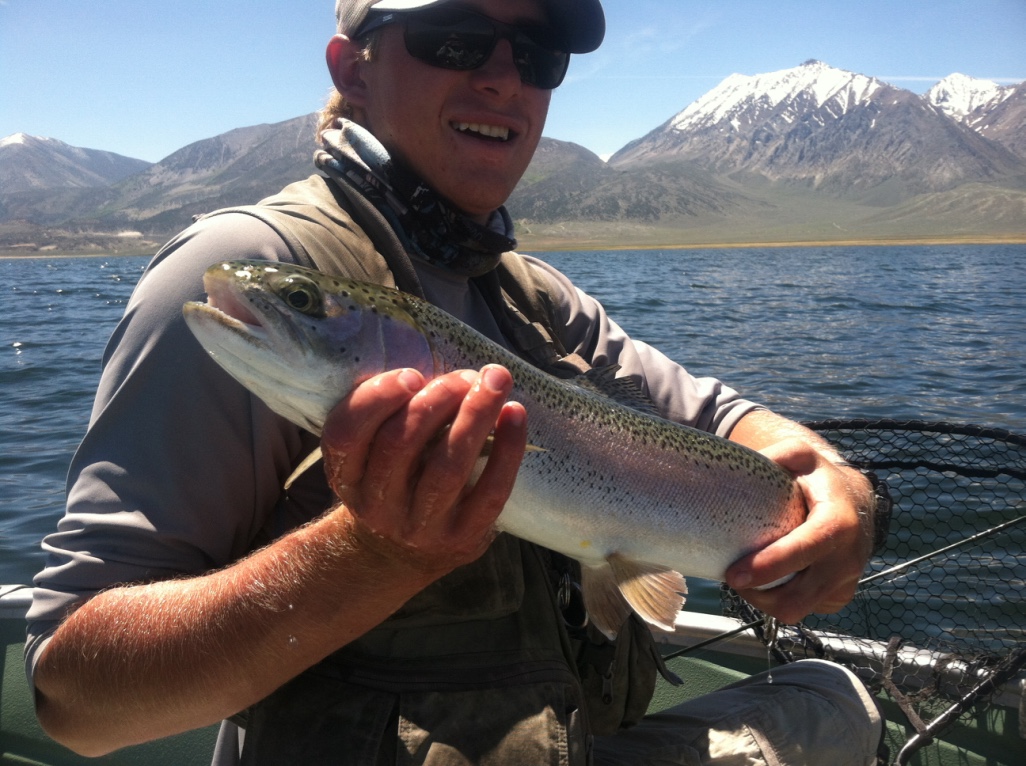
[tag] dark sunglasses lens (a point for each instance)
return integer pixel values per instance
(539, 65)
(460, 40)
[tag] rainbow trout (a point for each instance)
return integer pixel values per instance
(635, 498)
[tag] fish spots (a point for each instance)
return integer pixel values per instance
(598, 455)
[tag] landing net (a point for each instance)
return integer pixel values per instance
(940, 635)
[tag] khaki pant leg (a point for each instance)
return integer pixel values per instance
(808, 713)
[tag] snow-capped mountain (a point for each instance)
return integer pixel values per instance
(1004, 121)
(825, 128)
(812, 148)
(30, 162)
(742, 100)
(958, 96)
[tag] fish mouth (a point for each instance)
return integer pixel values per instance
(211, 316)
(226, 316)
(229, 308)
(233, 310)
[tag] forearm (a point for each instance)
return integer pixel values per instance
(762, 428)
(146, 661)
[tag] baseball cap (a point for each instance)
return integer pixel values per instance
(580, 23)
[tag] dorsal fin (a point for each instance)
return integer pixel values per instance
(625, 390)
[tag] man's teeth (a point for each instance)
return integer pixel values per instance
(492, 131)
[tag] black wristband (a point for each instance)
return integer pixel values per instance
(882, 507)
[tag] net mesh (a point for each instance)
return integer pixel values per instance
(930, 633)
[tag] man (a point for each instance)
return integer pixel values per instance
(381, 620)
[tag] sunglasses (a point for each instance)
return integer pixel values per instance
(455, 38)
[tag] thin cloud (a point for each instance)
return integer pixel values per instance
(715, 77)
(669, 37)
(920, 78)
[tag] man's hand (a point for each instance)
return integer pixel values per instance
(828, 551)
(401, 455)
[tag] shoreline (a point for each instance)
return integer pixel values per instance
(545, 245)
(760, 244)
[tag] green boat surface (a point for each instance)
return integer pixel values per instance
(937, 630)
(990, 738)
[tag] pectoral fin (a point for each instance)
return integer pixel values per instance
(308, 462)
(654, 592)
(607, 608)
(486, 451)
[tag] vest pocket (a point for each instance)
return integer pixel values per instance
(489, 588)
(501, 716)
(315, 721)
(536, 723)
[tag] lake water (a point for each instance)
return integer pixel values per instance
(933, 333)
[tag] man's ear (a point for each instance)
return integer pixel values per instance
(345, 59)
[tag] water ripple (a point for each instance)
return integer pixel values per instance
(933, 333)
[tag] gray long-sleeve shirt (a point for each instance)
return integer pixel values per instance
(181, 469)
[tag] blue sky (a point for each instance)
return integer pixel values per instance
(144, 79)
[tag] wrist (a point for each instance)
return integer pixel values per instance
(378, 558)
(879, 506)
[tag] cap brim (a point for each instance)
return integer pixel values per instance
(582, 22)
(403, 5)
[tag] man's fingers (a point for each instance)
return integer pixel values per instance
(452, 462)
(404, 462)
(810, 591)
(794, 454)
(350, 427)
(405, 442)
(794, 552)
(485, 501)
(825, 578)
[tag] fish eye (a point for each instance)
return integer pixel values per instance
(302, 294)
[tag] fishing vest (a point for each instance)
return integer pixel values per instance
(494, 663)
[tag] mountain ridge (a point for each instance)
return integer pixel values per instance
(830, 130)
(810, 152)
(959, 95)
(31, 163)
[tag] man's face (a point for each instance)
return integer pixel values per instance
(421, 114)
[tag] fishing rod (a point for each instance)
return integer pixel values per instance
(971, 539)
(986, 687)
(752, 625)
